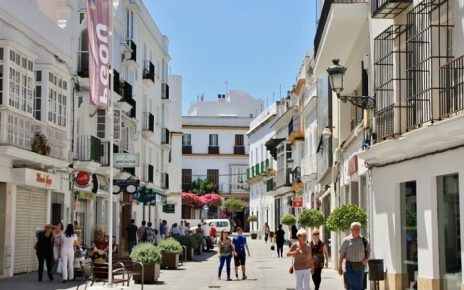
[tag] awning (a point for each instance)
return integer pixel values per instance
(272, 144)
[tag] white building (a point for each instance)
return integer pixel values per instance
(261, 169)
(215, 145)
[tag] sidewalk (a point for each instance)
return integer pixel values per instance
(264, 271)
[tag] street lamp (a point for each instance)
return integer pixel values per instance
(336, 73)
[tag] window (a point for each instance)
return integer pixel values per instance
(57, 99)
(187, 140)
(186, 179)
(213, 175)
(21, 77)
(213, 140)
(101, 123)
(238, 139)
(409, 231)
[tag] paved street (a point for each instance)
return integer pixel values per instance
(265, 271)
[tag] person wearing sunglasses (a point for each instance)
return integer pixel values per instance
(320, 257)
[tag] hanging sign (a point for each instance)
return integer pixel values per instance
(297, 202)
(124, 160)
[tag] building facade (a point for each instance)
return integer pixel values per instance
(215, 146)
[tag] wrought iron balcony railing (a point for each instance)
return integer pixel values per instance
(452, 88)
(388, 8)
(148, 122)
(149, 71)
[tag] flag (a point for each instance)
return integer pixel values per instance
(99, 51)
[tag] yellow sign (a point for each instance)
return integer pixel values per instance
(86, 195)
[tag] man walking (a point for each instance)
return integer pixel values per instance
(131, 235)
(142, 233)
(239, 259)
(356, 250)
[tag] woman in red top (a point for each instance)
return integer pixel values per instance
(212, 231)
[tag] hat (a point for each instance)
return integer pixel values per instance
(301, 232)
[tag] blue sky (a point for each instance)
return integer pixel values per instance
(255, 45)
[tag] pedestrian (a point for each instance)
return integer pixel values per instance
(70, 240)
(280, 240)
(142, 233)
(161, 230)
(150, 233)
(240, 244)
(175, 232)
(131, 230)
(57, 231)
(165, 229)
(293, 234)
(156, 238)
(355, 249)
(212, 231)
(198, 230)
(44, 251)
(267, 231)
(302, 260)
(226, 250)
(320, 256)
(182, 228)
(187, 228)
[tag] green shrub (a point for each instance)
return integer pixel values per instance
(234, 205)
(310, 218)
(146, 254)
(252, 218)
(188, 241)
(341, 218)
(199, 240)
(170, 246)
(288, 219)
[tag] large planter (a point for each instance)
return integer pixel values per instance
(189, 253)
(198, 250)
(170, 261)
(254, 236)
(151, 274)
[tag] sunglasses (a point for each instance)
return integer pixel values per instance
(316, 234)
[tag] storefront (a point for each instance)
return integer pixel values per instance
(31, 212)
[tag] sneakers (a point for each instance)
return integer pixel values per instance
(236, 276)
(228, 279)
(244, 277)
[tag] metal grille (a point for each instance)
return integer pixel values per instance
(390, 81)
(429, 41)
(452, 84)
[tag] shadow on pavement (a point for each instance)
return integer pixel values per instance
(203, 257)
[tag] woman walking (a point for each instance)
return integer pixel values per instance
(267, 231)
(320, 256)
(57, 232)
(302, 260)
(280, 240)
(226, 250)
(44, 251)
(69, 240)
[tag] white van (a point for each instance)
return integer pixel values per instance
(220, 224)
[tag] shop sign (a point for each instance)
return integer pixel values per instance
(124, 160)
(35, 178)
(169, 208)
(353, 165)
(297, 202)
(82, 178)
(85, 195)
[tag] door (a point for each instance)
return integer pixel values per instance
(31, 206)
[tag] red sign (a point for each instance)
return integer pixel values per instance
(99, 51)
(297, 202)
(82, 178)
(44, 179)
(353, 165)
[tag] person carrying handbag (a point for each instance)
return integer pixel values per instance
(302, 260)
(320, 256)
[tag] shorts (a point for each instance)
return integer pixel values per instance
(239, 260)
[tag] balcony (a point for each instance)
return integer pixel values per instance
(270, 185)
(128, 98)
(148, 171)
(295, 130)
(213, 149)
(148, 125)
(283, 177)
(133, 48)
(165, 91)
(164, 181)
(186, 149)
(165, 138)
(388, 8)
(332, 27)
(89, 148)
(149, 71)
(452, 88)
(83, 64)
(239, 149)
(117, 83)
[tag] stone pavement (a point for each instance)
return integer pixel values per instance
(264, 271)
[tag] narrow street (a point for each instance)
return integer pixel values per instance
(264, 271)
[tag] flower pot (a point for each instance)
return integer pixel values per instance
(170, 261)
(253, 236)
(198, 250)
(189, 253)
(151, 274)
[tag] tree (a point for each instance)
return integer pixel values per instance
(252, 219)
(310, 217)
(234, 205)
(204, 186)
(341, 218)
(288, 219)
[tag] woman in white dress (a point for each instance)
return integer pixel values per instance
(69, 240)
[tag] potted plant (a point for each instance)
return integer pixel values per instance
(289, 220)
(150, 256)
(310, 217)
(190, 242)
(341, 218)
(252, 219)
(170, 251)
(39, 144)
(198, 245)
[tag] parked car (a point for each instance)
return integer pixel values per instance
(220, 224)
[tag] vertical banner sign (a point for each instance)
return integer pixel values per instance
(99, 51)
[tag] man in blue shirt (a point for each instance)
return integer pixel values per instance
(239, 259)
